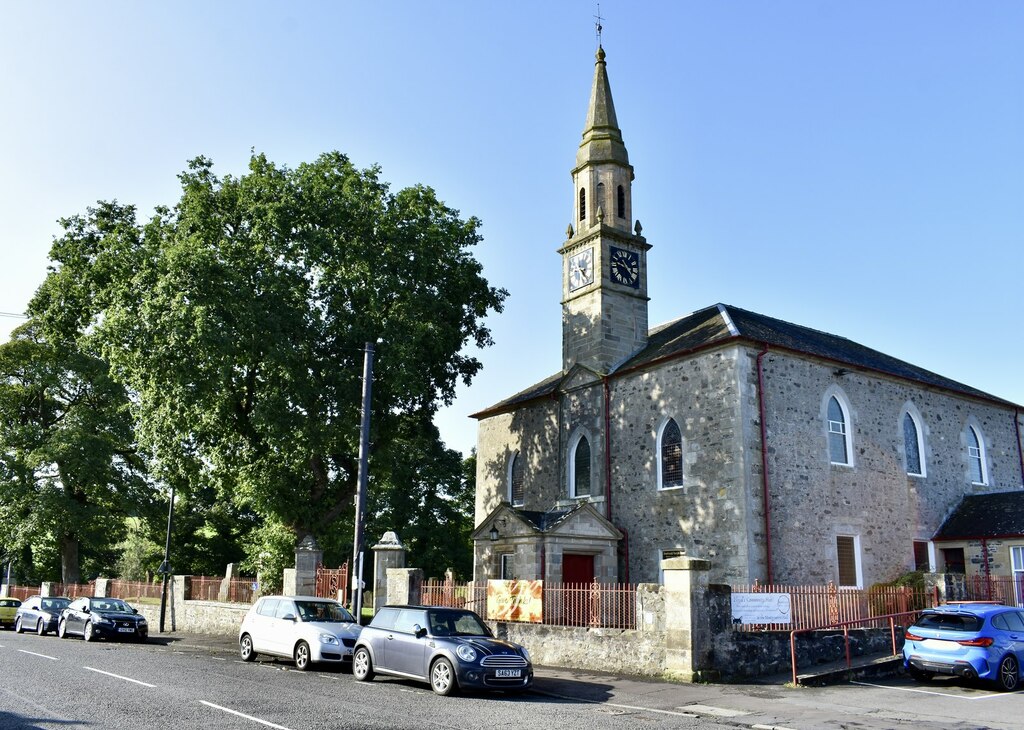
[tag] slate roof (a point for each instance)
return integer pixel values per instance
(720, 324)
(985, 515)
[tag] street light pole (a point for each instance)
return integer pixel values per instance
(364, 445)
(165, 567)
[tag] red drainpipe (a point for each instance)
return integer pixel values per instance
(988, 569)
(607, 452)
(764, 465)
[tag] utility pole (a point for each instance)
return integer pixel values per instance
(165, 567)
(364, 447)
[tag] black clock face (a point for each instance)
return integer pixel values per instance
(625, 267)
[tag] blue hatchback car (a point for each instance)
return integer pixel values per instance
(969, 640)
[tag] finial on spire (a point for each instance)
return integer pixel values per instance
(597, 24)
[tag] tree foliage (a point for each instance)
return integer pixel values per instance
(237, 321)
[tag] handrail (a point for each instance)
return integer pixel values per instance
(845, 626)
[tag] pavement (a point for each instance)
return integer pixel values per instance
(743, 706)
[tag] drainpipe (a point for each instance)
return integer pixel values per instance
(607, 451)
(988, 569)
(764, 465)
(625, 550)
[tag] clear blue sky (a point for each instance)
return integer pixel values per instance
(854, 167)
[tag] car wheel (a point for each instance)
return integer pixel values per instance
(918, 675)
(1009, 673)
(362, 667)
(17, 625)
(442, 677)
(62, 629)
(302, 658)
(87, 632)
(40, 627)
(245, 649)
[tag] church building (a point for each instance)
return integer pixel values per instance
(777, 452)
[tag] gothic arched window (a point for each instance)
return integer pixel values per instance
(583, 204)
(976, 456)
(515, 480)
(670, 456)
(620, 202)
(839, 446)
(579, 468)
(913, 445)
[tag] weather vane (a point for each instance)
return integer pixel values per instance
(597, 24)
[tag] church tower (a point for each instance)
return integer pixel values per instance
(604, 259)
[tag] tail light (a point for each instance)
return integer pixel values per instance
(913, 637)
(980, 641)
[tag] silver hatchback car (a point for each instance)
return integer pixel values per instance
(303, 628)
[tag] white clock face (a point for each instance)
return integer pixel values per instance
(581, 269)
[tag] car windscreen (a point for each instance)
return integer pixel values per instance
(323, 611)
(966, 622)
(456, 623)
(110, 604)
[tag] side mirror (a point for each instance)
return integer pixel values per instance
(135, 610)
(85, 609)
(288, 617)
(419, 631)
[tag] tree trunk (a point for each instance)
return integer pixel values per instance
(69, 570)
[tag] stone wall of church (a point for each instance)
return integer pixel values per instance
(708, 516)
(873, 500)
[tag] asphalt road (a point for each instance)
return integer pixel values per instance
(199, 682)
(52, 683)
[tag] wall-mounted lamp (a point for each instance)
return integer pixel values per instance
(493, 533)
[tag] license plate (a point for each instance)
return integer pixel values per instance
(940, 645)
(127, 631)
(511, 673)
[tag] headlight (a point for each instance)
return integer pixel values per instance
(328, 639)
(103, 620)
(526, 654)
(142, 622)
(466, 653)
(46, 616)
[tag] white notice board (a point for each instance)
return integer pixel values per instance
(761, 608)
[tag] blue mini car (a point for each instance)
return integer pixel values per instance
(969, 640)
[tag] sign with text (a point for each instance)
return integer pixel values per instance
(515, 600)
(761, 608)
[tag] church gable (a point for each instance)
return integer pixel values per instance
(578, 377)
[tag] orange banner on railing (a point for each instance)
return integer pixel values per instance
(515, 600)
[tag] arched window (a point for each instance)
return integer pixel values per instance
(976, 456)
(913, 445)
(839, 446)
(670, 456)
(579, 468)
(583, 204)
(620, 202)
(600, 203)
(515, 480)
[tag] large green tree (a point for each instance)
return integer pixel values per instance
(237, 320)
(69, 470)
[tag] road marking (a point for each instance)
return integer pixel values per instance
(715, 711)
(44, 656)
(242, 714)
(118, 676)
(992, 696)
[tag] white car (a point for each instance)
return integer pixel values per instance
(304, 628)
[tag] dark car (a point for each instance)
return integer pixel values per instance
(40, 614)
(450, 648)
(102, 618)
(969, 640)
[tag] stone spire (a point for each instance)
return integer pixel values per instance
(602, 138)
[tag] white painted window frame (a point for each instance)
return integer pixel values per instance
(847, 430)
(858, 562)
(682, 456)
(574, 443)
(516, 455)
(976, 453)
(915, 416)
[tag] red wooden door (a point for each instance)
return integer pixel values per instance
(577, 575)
(577, 568)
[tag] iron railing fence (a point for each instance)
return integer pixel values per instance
(72, 590)
(594, 605)
(1002, 589)
(22, 593)
(209, 588)
(134, 590)
(821, 605)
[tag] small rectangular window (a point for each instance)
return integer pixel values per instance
(921, 555)
(846, 549)
(954, 560)
(506, 567)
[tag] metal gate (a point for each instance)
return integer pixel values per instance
(332, 582)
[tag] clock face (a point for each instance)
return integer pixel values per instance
(581, 269)
(624, 267)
